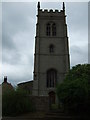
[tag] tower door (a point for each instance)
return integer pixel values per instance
(51, 98)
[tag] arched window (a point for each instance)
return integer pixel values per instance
(48, 29)
(51, 78)
(53, 29)
(51, 48)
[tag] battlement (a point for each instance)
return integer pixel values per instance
(50, 11)
(46, 12)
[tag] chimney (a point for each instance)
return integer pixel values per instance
(5, 79)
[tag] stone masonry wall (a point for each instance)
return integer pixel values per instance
(41, 103)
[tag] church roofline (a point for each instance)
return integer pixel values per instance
(25, 82)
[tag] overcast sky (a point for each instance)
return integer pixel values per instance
(89, 32)
(18, 36)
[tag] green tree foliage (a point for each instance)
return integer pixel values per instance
(15, 102)
(74, 92)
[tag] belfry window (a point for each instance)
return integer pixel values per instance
(51, 78)
(53, 29)
(51, 48)
(48, 30)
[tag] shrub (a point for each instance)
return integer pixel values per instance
(16, 102)
(54, 106)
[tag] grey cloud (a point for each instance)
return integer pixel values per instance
(10, 57)
(17, 73)
(89, 32)
(77, 13)
(16, 17)
(77, 20)
(17, 31)
(79, 55)
(7, 42)
(17, 58)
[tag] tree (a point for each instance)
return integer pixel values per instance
(74, 92)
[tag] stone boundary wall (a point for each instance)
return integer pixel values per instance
(41, 103)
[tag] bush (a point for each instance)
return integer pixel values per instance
(16, 102)
(74, 92)
(54, 106)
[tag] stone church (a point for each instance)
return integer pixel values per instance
(51, 58)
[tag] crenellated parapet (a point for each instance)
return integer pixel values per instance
(51, 11)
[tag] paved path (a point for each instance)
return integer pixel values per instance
(29, 116)
(52, 115)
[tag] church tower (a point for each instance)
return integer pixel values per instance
(51, 59)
